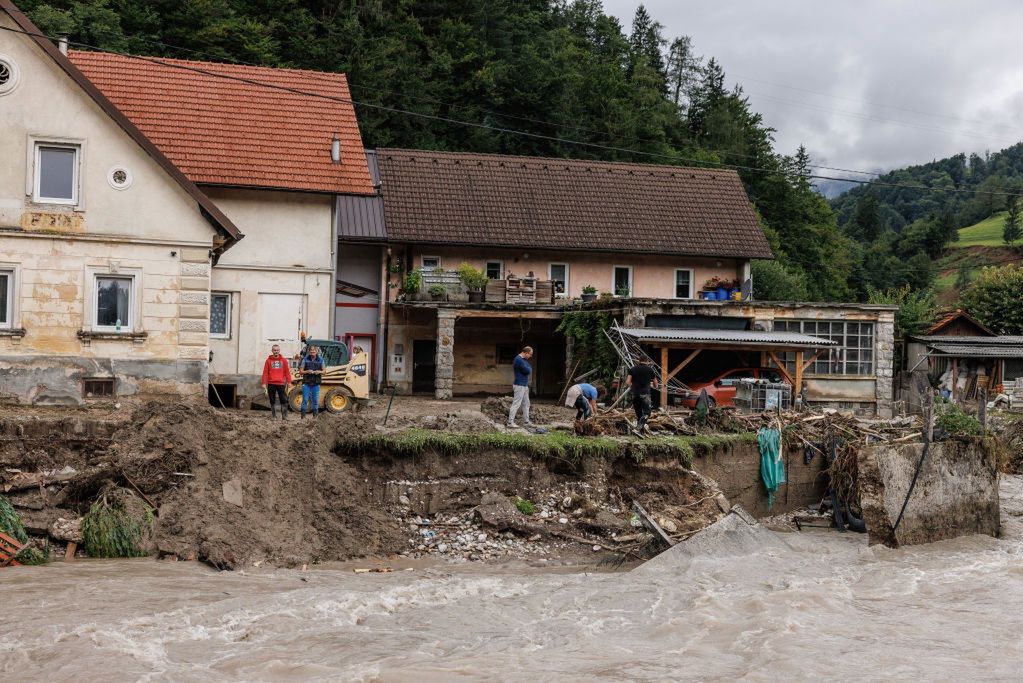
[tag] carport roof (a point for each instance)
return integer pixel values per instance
(975, 351)
(728, 338)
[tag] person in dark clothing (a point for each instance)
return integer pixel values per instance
(275, 381)
(641, 380)
(311, 369)
(520, 387)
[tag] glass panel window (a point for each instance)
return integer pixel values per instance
(113, 302)
(623, 281)
(431, 262)
(683, 284)
(559, 276)
(853, 355)
(220, 315)
(6, 297)
(56, 174)
(495, 270)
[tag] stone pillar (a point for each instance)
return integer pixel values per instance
(884, 361)
(569, 357)
(635, 316)
(444, 383)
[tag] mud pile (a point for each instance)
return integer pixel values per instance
(497, 407)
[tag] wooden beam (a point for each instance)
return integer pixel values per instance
(955, 377)
(664, 378)
(813, 358)
(781, 367)
(687, 361)
(798, 386)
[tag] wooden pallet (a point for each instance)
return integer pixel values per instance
(9, 548)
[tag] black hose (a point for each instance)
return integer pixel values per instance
(912, 485)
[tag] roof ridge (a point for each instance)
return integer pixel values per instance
(156, 59)
(538, 159)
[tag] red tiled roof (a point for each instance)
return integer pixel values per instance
(496, 200)
(220, 131)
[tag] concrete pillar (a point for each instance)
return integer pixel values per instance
(634, 316)
(884, 362)
(444, 383)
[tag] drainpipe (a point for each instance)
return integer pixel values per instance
(62, 45)
(382, 315)
(334, 255)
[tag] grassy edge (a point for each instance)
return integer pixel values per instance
(559, 445)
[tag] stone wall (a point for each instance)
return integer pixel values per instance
(736, 469)
(956, 493)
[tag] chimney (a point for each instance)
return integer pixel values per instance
(62, 45)
(335, 149)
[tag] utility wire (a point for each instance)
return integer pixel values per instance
(511, 131)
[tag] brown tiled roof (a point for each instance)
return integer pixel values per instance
(496, 200)
(231, 124)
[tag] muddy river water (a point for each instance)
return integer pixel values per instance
(810, 605)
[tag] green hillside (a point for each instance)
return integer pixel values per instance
(987, 233)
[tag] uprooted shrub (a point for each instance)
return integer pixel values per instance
(10, 522)
(953, 420)
(108, 530)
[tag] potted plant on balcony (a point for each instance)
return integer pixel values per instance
(437, 292)
(474, 282)
(589, 294)
(413, 283)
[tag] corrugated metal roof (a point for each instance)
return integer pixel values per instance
(725, 337)
(361, 219)
(973, 351)
(1000, 340)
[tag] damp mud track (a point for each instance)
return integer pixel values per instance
(757, 606)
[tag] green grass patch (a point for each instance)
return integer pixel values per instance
(108, 531)
(556, 445)
(987, 233)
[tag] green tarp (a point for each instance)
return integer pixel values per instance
(772, 468)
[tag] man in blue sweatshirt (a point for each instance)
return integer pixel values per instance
(520, 387)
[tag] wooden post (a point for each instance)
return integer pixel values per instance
(664, 378)
(955, 377)
(69, 553)
(799, 373)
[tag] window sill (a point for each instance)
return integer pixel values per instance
(18, 332)
(88, 336)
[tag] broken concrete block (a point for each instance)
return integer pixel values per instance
(233, 492)
(956, 493)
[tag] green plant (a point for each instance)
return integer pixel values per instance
(413, 281)
(622, 291)
(525, 506)
(916, 309)
(993, 298)
(473, 279)
(33, 556)
(108, 531)
(10, 522)
(589, 289)
(953, 420)
(591, 347)
(437, 290)
(714, 283)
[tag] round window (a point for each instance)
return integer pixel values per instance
(119, 178)
(9, 75)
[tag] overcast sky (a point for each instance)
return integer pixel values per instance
(866, 85)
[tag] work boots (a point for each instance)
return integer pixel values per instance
(273, 411)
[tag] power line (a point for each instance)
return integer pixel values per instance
(512, 131)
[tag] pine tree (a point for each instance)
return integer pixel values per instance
(1012, 230)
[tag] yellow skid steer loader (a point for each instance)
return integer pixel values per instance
(344, 381)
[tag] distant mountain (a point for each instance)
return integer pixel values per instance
(975, 188)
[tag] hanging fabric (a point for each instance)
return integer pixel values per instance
(772, 469)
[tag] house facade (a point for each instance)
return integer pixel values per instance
(100, 295)
(274, 148)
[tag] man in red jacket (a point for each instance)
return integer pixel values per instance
(276, 378)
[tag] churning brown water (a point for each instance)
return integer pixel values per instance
(814, 605)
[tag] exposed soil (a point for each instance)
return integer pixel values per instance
(300, 501)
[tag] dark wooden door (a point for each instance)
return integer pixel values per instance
(424, 364)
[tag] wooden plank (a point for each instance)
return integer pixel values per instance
(798, 386)
(683, 364)
(69, 553)
(781, 367)
(664, 377)
(812, 360)
(649, 523)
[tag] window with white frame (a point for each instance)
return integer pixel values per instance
(622, 280)
(6, 298)
(56, 173)
(558, 274)
(114, 302)
(495, 270)
(853, 355)
(683, 283)
(220, 315)
(431, 262)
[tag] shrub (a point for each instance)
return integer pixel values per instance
(10, 523)
(473, 279)
(525, 506)
(953, 420)
(994, 298)
(413, 281)
(109, 531)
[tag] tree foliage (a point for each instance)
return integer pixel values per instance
(994, 298)
(1012, 230)
(916, 308)
(561, 69)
